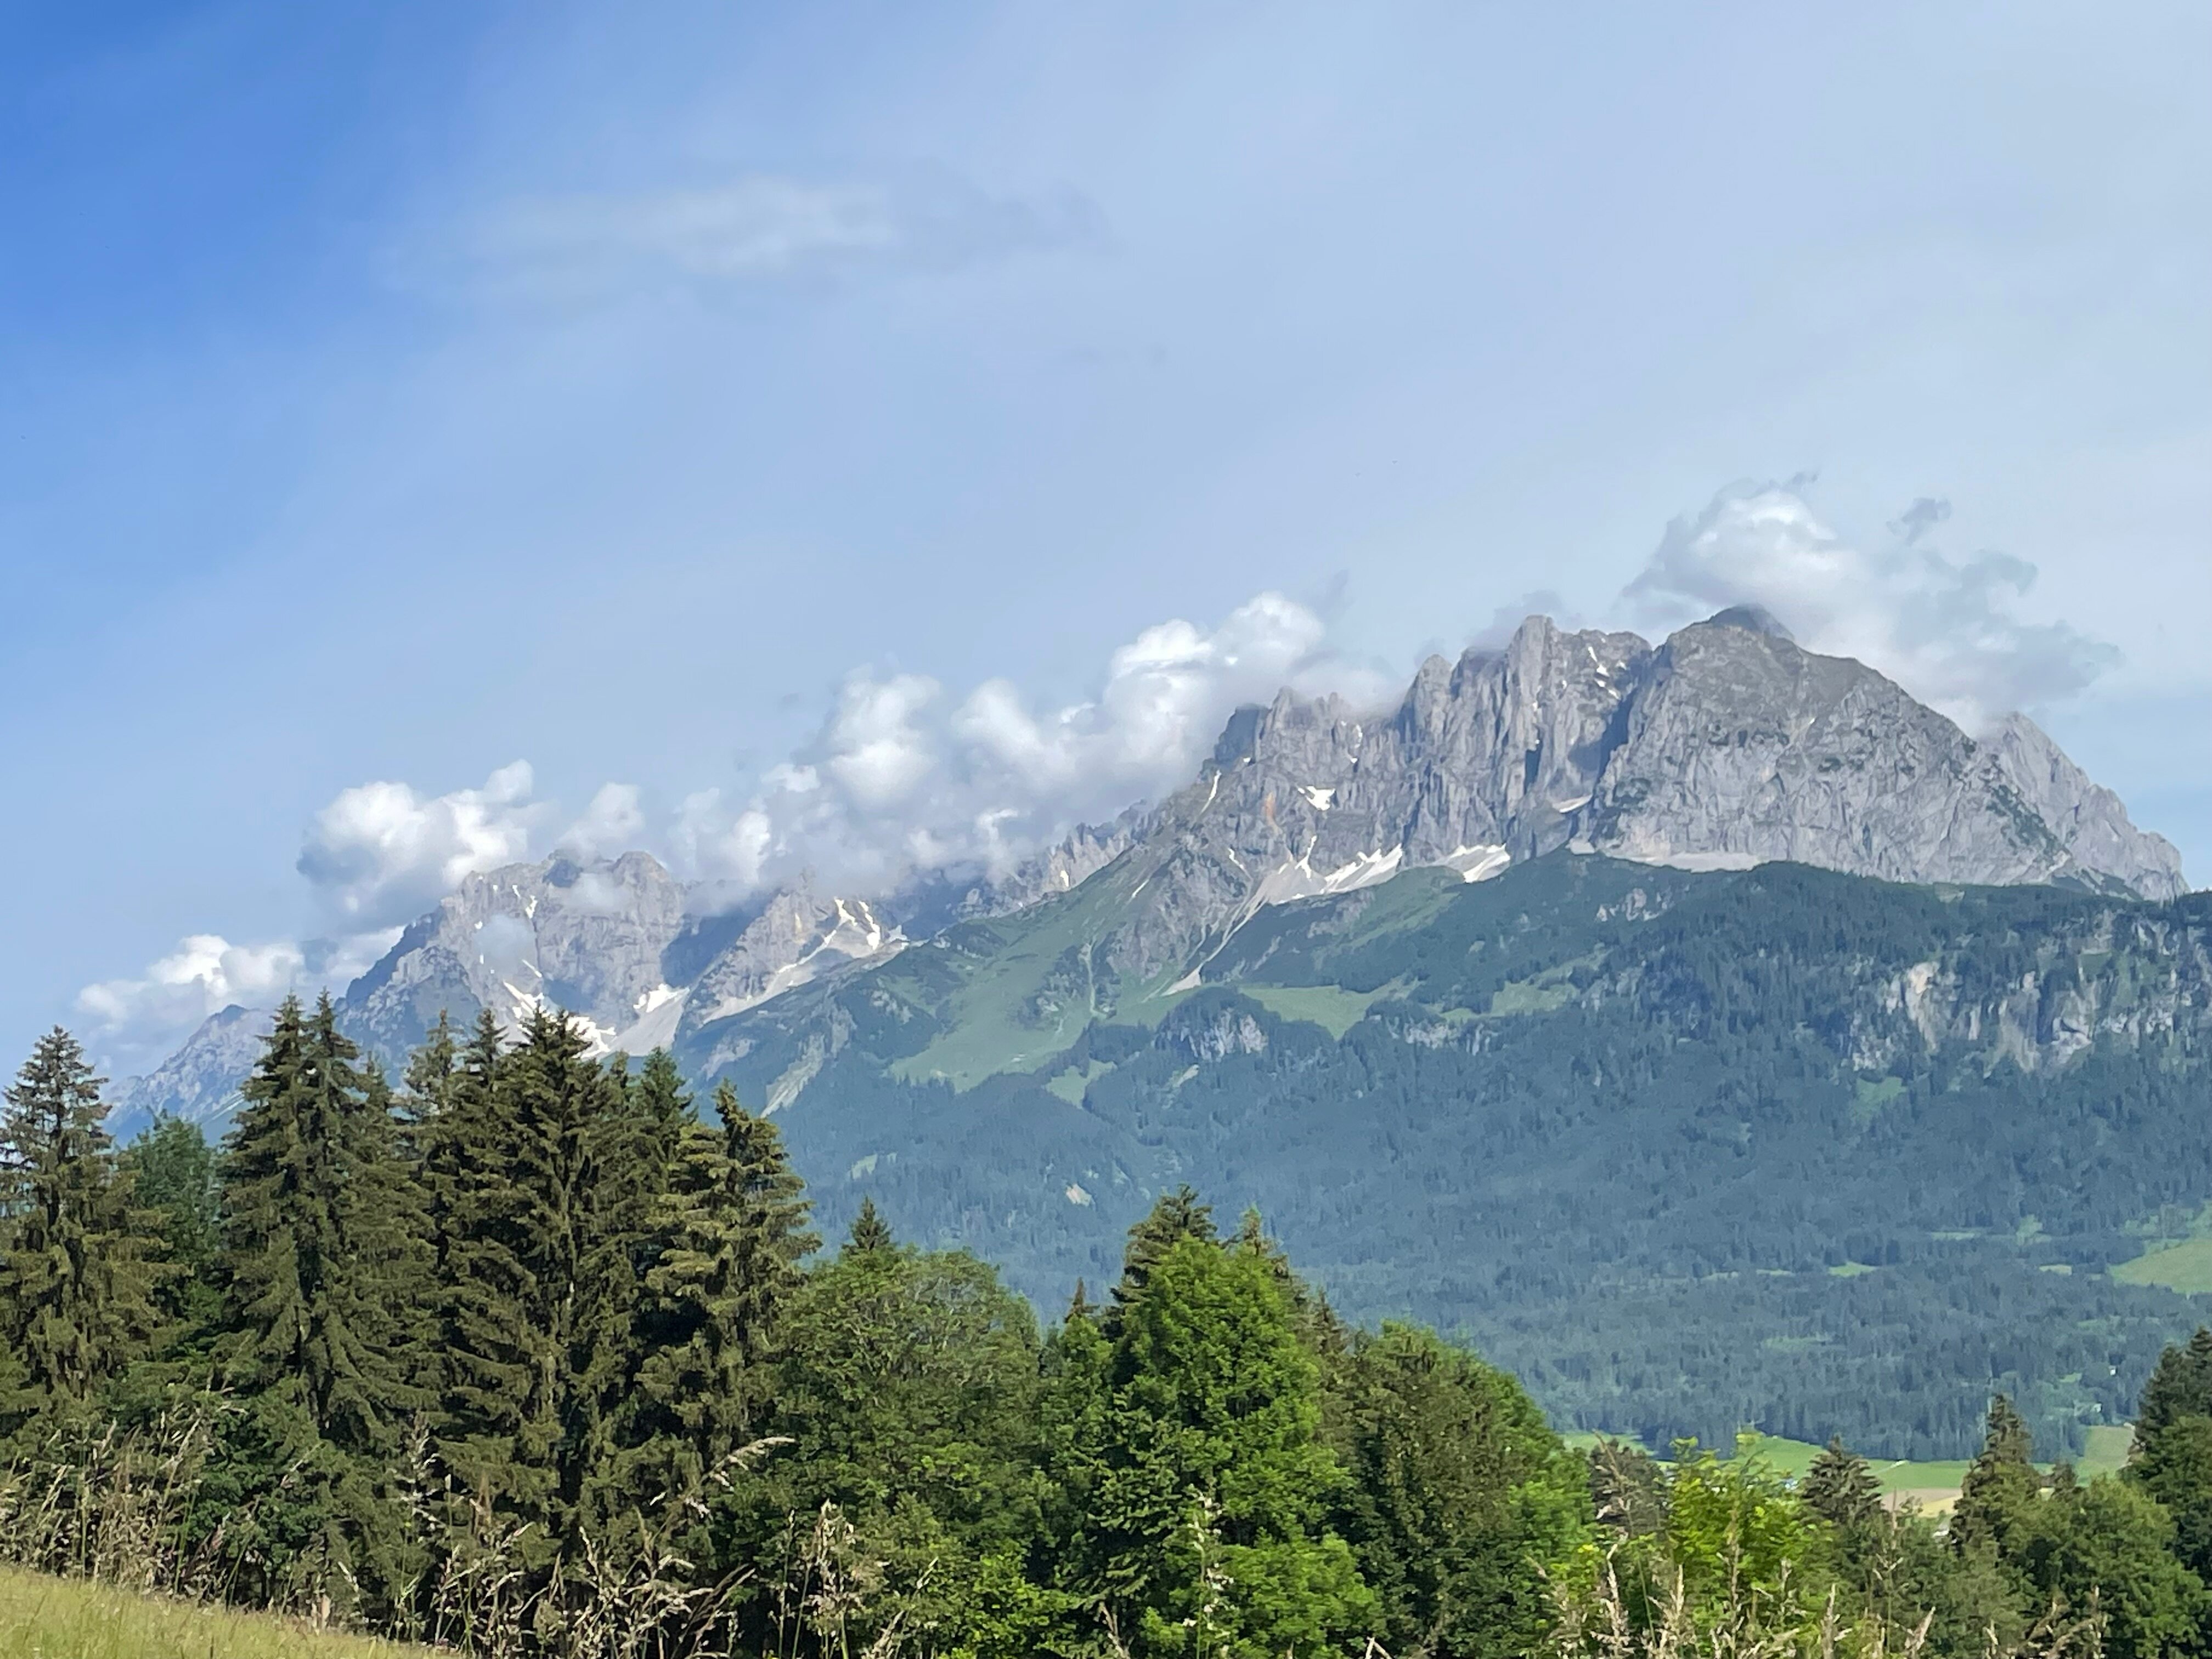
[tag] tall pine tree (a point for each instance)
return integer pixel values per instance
(2171, 1459)
(2000, 1497)
(77, 1286)
(323, 1240)
(318, 1335)
(174, 1169)
(535, 1174)
(1839, 1487)
(730, 1232)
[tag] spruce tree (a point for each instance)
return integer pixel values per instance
(323, 1240)
(1997, 1500)
(2180, 1385)
(324, 1266)
(1841, 1488)
(869, 1233)
(538, 1281)
(729, 1233)
(427, 1091)
(1173, 1218)
(2171, 1458)
(76, 1285)
(1460, 1497)
(174, 1169)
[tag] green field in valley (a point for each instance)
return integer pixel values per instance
(2185, 1266)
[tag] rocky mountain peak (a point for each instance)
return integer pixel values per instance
(1726, 745)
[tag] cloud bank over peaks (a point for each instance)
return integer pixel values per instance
(612, 823)
(380, 854)
(906, 777)
(1943, 628)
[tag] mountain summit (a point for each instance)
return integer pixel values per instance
(1726, 746)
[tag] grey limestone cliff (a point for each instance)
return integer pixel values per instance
(199, 1082)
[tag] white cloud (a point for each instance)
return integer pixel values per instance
(141, 1019)
(612, 824)
(379, 853)
(755, 228)
(904, 778)
(877, 748)
(1943, 628)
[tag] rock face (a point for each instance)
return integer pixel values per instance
(1726, 746)
(587, 938)
(797, 937)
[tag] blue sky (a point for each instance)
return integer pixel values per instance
(399, 391)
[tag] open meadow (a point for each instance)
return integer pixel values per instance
(47, 1617)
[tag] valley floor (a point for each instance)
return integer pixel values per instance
(1931, 1487)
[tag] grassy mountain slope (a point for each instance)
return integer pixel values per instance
(1624, 1126)
(52, 1617)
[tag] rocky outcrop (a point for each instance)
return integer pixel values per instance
(796, 936)
(587, 937)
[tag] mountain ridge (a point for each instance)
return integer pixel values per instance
(1724, 746)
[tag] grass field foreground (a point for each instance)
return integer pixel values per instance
(46, 1617)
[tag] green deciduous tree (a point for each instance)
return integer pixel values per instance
(1213, 1486)
(1458, 1496)
(913, 1373)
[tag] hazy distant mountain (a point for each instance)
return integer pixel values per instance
(199, 1081)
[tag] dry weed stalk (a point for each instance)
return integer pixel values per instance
(111, 1506)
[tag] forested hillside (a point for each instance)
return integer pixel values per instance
(522, 1357)
(1687, 1150)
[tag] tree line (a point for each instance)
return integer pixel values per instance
(529, 1355)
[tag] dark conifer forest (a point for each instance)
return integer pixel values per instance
(529, 1354)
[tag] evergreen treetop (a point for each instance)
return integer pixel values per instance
(76, 1284)
(1840, 1487)
(871, 1233)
